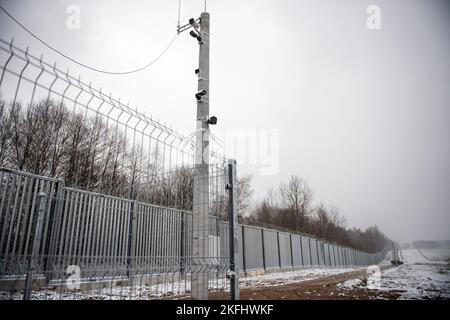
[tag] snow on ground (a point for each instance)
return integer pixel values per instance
(436, 254)
(417, 278)
(281, 278)
(174, 288)
(349, 284)
(178, 288)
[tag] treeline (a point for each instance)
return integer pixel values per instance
(291, 207)
(47, 139)
(86, 152)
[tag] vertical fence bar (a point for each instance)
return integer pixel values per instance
(292, 254)
(131, 240)
(35, 247)
(234, 238)
(263, 250)
(55, 222)
(301, 252)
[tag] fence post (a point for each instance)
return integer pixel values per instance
(263, 250)
(301, 251)
(292, 254)
(55, 216)
(318, 255)
(182, 249)
(234, 237)
(310, 254)
(35, 247)
(279, 254)
(131, 241)
(329, 256)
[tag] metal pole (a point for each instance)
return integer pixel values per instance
(234, 236)
(56, 213)
(35, 247)
(131, 245)
(201, 173)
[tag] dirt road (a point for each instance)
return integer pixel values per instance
(325, 288)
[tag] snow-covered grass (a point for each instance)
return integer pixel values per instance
(180, 288)
(349, 284)
(281, 278)
(174, 288)
(436, 254)
(417, 278)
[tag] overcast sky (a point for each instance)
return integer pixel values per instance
(363, 115)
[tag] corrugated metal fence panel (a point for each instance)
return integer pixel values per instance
(305, 251)
(314, 257)
(296, 250)
(253, 248)
(330, 255)
(338, 256)
(241, 248)
(271, 249)
(345, 257)
(285, 249)
(326, 254)
(334, 255)
(321, 253)
(341, 256)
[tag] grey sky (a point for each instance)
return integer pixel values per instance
(363, 115)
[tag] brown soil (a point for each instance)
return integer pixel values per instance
(318, 289)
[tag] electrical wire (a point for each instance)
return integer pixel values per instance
(82, 64)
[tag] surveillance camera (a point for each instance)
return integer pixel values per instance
(193, 23)
(200, 94)
(212, 120)
(197, 71)
(195, 35)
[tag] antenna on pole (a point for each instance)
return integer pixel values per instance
(205, 6)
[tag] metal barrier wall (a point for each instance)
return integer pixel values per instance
(48, 229)
(297, 260)
(285, 250)
(270, 250)
(60, 227)
(306, 255)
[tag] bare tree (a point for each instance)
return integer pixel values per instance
(296, 196)
(243, 195)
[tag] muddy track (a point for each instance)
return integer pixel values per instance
(317, 289)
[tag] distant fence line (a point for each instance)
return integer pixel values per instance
(266, 250)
